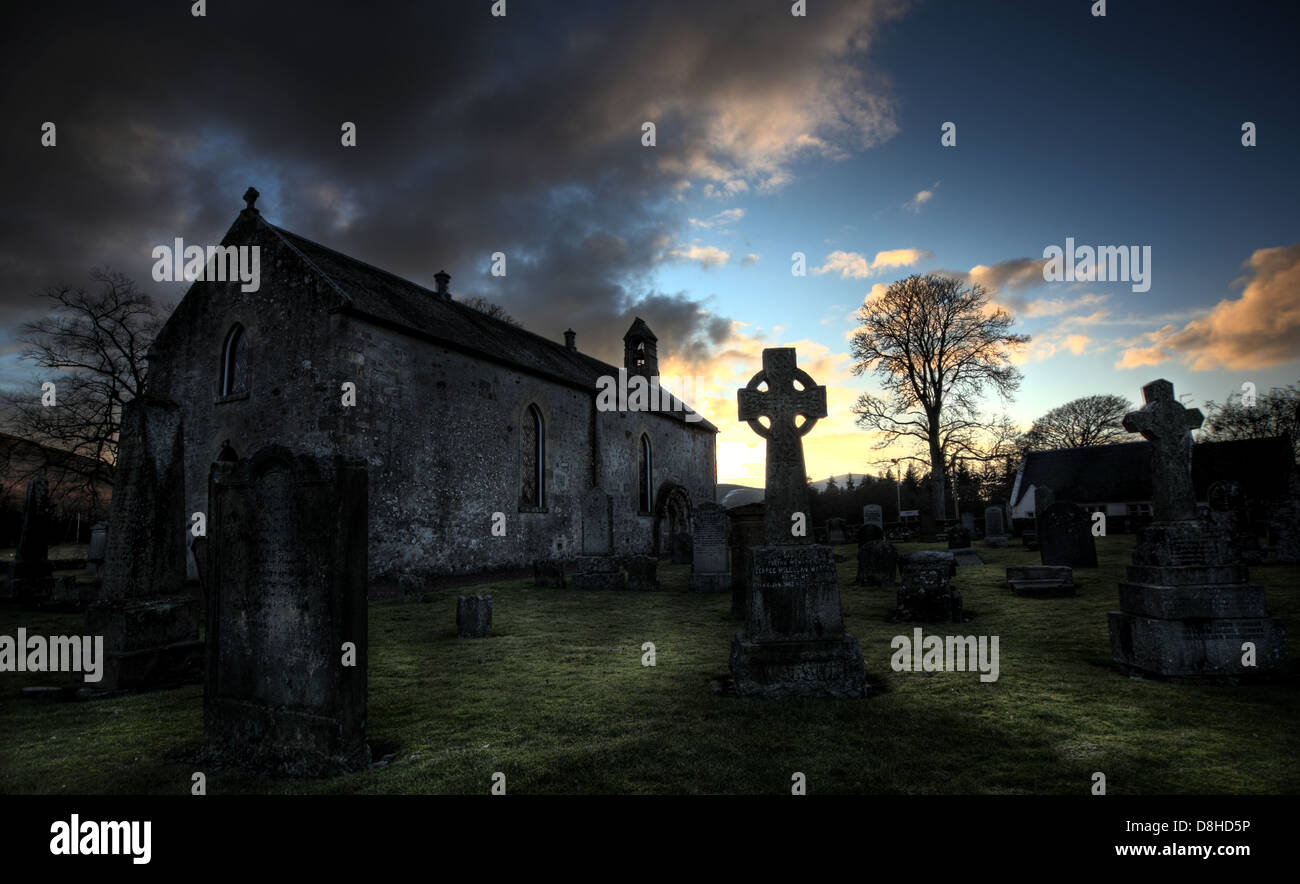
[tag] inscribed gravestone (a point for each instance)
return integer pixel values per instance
(994, 527)
(709, 567)
(1186, 610)
(286, 607)
(1065, 536)
(794, 644)
(872, 514)
(925, 593)
(473, 616)
(746, 533)
(968, 522)
(98, 543)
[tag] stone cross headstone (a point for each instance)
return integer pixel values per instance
(709, 572)
(147, 613)
(794, 643)
(1167, 424)
(1187, 610)
(287, 650)
(786, 491)
(1065, 536)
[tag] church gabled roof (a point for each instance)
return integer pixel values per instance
(382, 297)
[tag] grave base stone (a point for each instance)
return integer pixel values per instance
(795, 644)
(1041, 581)
(597, 572)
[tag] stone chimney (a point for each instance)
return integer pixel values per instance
(442, 279)
(571, 340)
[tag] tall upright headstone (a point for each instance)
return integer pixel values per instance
(287, 650)
(1186, 610)
(794, 644)
(746, 523)
(995, 527)
(147, 614)
(872, 514)
(98, 543)
(597, 568)
(709, 572)
(30, 572)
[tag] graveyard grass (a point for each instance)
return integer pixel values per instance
(558, 700)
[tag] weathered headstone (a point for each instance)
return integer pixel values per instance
(968, 522)
(98, 543)
(872, 514)
(473, 616)
(410, 587)
(1283, 526)
(642, 573)
(285, 685)
(549, 573)
(1228, 513)
(1041, 580)
(746, 533)
(30, 572)
(958, 537)
(835, 532)
(925, 593)
(794, 644)
(709, 572)
(1186, 610)
(1065, 536)
(995, 530)
(597, 568)
(877, 558)
(148, 615)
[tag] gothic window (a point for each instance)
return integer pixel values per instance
(234, 362)
(645, 474)
(532, 460)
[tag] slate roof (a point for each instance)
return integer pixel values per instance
(378, 295)
(1122, 472)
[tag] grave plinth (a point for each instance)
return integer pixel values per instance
(794, 644)
(1187, 610)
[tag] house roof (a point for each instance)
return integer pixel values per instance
(17, 446)
(379, 296)
(1122, 472)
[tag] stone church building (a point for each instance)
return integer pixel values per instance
(458, 415)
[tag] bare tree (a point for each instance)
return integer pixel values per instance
(486, 307)
(1088, 420)
(92, 346)
(936, 345)
(1275, 413)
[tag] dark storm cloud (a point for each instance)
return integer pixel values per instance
(475, 135)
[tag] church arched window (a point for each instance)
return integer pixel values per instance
(234, 362)
(645, 476)
(532, 460)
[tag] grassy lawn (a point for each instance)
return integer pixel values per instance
(558, 700)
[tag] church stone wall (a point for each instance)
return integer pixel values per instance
(439, 429)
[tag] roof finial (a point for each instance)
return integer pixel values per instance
(250, 197)
(441, 279)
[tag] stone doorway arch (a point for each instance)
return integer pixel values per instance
(672, 515)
